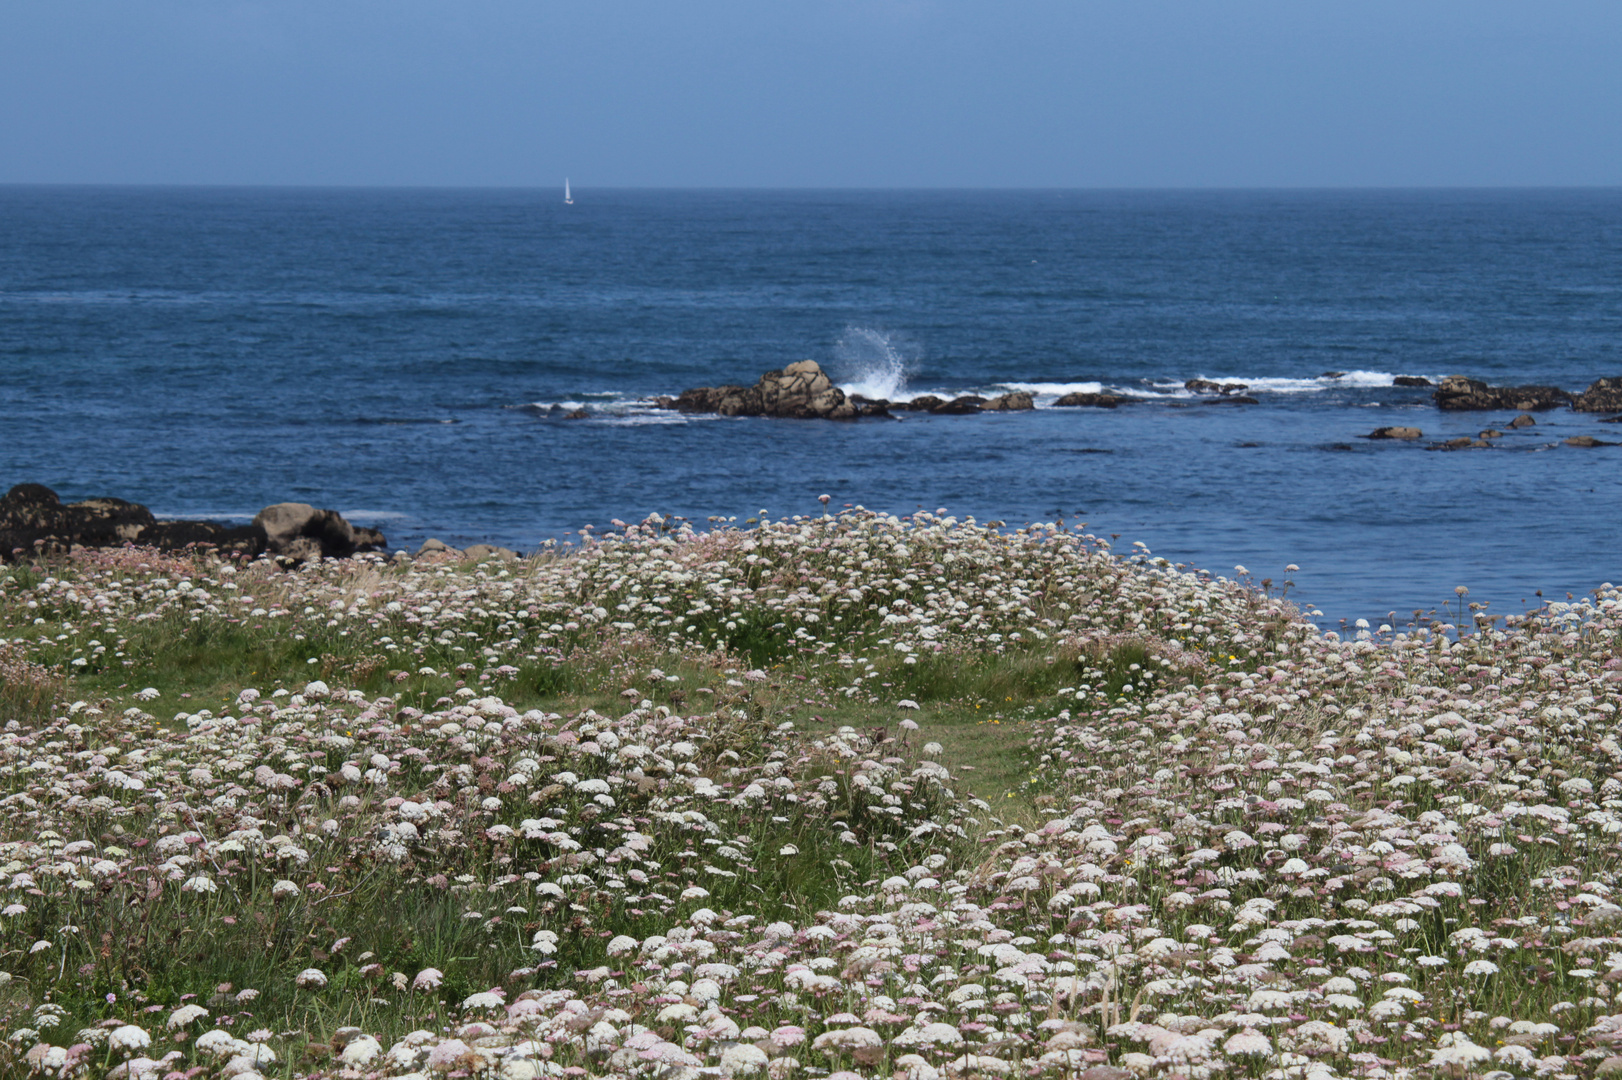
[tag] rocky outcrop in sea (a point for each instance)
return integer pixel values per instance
(35, 521)
(800, 391)
(1458, 393)
(803, 391)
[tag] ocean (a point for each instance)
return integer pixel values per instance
(409, 357)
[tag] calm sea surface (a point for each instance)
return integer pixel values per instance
(407, 357)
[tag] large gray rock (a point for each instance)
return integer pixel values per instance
(298, 532)
(1602, 395)
(1458, 393)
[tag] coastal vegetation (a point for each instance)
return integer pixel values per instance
(843, 795)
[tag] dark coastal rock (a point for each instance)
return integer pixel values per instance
(1333, 375)
(800, 391)
(1395, 433)
(921, 403)
(578, 414)
(959, 406)
(1464, 442)
(1525, 420)
(1206, 386)
(1411, 380)
(1018, 401)
(1092, 401)
(1233, 399)
(1458, 393)
(727, 400)
(876, 408)
(299, 532)
(34, 521)
(1602, 395)
(1490, 433)
(1588, 440)
(32, 517)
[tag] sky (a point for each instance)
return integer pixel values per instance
(813, 93)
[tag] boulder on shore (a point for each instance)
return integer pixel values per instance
(1395, 433)
(1523, 421)
(1602, 395)
(299, 532)
(34, 521)
(1458, 393)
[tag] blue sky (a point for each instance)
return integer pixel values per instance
(812, 93)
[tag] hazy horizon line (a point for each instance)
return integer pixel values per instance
(850, 188)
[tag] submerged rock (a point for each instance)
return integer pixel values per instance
(1395, 433)
(1524, 420)
(1458, 393)
(1588, 440)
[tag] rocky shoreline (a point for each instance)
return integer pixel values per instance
(35, 522)
(803, 391)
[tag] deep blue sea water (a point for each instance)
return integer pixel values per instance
(407, 357)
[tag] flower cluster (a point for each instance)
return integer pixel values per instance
(1256, 849)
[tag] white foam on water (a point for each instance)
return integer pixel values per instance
(648, 419)
(1041, 390)
(1318, 384)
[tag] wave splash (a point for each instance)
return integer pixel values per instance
(877, 364)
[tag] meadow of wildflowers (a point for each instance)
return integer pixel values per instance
(681, 804)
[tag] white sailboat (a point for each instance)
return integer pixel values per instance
(568, 200)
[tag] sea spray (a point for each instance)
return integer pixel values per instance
(874, 363)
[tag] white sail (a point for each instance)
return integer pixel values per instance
(567, 198)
